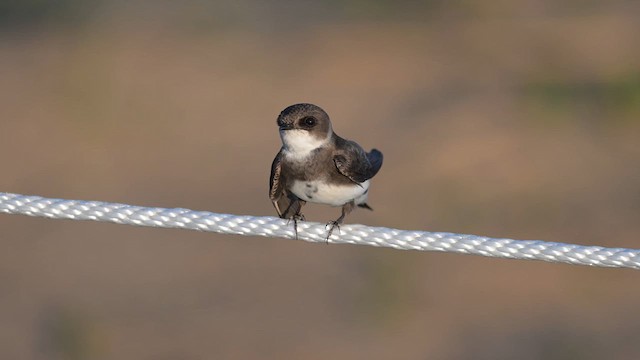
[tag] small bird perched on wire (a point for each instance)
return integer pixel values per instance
(316, 165)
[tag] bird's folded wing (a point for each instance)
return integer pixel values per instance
(357, 165)
(276, 186)
(286, 203)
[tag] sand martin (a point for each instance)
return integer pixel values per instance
(316, 165)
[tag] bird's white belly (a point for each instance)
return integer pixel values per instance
(334, 195)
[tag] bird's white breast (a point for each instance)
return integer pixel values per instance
(324, 193)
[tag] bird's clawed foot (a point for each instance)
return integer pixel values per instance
(296, 218)
(334, 224)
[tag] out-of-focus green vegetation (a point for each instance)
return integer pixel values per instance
(608, 101)
(280, 13)
(30, 13)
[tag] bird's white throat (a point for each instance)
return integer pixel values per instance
(300, 143)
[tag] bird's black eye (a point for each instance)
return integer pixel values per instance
(308, 121)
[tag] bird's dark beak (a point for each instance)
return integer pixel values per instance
(284, 126)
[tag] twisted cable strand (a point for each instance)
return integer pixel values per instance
(316, 232)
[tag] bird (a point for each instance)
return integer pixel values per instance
(316, 165)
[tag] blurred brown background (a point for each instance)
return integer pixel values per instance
(503, 118)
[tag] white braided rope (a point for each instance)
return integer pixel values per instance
(316, 232)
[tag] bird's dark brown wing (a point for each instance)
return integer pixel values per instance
(286, 203)
(375, 160)
(276, 186)
(354, 163)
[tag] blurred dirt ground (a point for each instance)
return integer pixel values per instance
(521, 124)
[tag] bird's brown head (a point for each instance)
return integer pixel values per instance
(304, 127)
